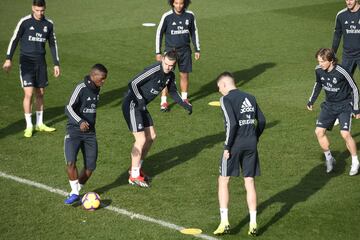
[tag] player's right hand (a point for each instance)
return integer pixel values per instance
(309, 107)
(7, 65)
(158, 57)
(84, 126)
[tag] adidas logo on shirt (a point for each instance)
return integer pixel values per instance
(88, 99)
(246, 106)
(32, 28)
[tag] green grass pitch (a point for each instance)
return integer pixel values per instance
(268, 45)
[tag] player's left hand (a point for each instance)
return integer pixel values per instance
(226, 154)
(357, 116)
(56, 71)
(197, 55)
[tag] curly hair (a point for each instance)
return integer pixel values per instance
(186, 3)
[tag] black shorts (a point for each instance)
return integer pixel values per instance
(184, 59)
(136, 119)
(88, 145)
(350, 64)
(330, 112)
(33, 72)
(247, 159)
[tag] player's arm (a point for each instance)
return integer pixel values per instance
(261, 121)
(195, 38)
(54, 51)
(159, 36)
(18, 32)
(177, 98)
(355, 93)
(315, 93)
(137, 82)
(73, 104)
(337, 34)
(231, 123)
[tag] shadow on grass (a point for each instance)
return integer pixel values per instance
(312, 182)
(169, 158)
(55, 115)
(241, 77)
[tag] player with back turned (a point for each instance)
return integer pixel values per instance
(244, 124)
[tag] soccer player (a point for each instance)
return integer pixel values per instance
(347, 25)
(33, 31)
(142, 90)
(178, 25)
(244, 124)
(81, 112)
(341, 102)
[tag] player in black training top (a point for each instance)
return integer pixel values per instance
(33, 31)
(347, 25)
(244, 124)
(341, 102)
(179, 26)
(80, 129)
(142, 90)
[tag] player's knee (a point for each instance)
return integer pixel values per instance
(319, 132)
(345, 135)
(71, 165)
(152, 137)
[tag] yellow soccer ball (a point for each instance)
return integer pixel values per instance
(90, 201)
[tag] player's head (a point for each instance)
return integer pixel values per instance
(98, 74)
(38, 9)
(179, 5)
(225, 82)
(168, 61)
(351, 4)
(326, 58)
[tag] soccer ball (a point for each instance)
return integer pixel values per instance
(90, 201)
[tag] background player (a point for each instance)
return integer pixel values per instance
(81, 112)
(341, 102)
(178, 25)
(33, 31)
(241, 112)
(347, 24)
(142, 90)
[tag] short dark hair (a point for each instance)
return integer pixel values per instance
(224, 74)
(99, 67)
(186, 3)
(327, 54)
(39, 3)
(171, 55)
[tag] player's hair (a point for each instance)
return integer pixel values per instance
(327, 54)
(39, 3)
(171, 55)
(99, 67)
(186, 3)
(225, 74)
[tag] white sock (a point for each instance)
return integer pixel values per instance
(354, 159)
(224, 215)
(39, 118)
(184, 95)
(135, 172)
(80, 186)
(28, 120)
(328, 155)
(163, 99)
(252, 216)
(74, 187)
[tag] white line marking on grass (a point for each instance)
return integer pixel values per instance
(110, 208)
